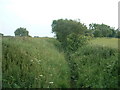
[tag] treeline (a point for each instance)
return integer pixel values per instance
(67, 26)
(73, 34)
(102, 30)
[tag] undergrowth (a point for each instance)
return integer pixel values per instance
(42, 63)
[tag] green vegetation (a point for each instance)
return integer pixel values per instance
(1, 34)
(21, 32)
(33, 63)
(42, 63)
(74, 42)
(75, 60)
(66, 28)
(102, 30)
(109, 42)
(97, 67)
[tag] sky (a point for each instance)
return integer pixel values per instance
(37, 15)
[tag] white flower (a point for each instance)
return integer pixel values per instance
(51, 82)
(31, 60)
(41, 75)
(39, 61)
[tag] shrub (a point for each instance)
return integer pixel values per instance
(75, 41)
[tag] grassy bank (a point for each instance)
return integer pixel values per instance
(33, 63)
(41, 63)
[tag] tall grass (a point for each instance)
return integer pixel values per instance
(41, 63)
(109, 42)
(33, 63)
(97, 67)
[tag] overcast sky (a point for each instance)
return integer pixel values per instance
(37, 15)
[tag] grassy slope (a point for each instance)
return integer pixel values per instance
(97, 64)
(25, 60)
(33, 62)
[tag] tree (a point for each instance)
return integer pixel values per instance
(102, 30)
(97, 33)
(1, 34)
(113, 32)
(66, 29)
(63, 28)
(118, 33)
(21, 32)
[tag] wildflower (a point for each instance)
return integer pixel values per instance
(39, 61)
(31, 60)
(51, 82)
(41, 75)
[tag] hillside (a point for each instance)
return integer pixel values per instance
(41, 63)
(33, 62)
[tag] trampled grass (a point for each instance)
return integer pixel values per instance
(41, 63)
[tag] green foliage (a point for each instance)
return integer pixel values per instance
(89, 33)
(118, 33)
(27, 63)
(97, 33)
(21, 32)
(1, 34)
(75, 41)
(102, 30)
(63, 28)
(96, 67)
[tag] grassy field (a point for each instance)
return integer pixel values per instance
(109, 42)
(41, 63)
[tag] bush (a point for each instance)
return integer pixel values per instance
(63, 28)
(75, 41)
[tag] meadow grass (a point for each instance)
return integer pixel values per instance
(109, 42)
(42, 63)
(33, 63)
(97, 67)
(97, 64)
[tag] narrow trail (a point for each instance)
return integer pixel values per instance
(73, 71)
